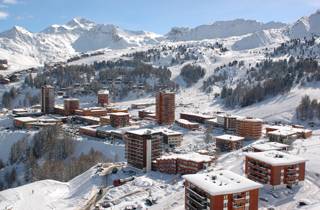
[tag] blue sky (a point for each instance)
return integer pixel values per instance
(151, 15)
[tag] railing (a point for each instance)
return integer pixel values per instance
(202, 198)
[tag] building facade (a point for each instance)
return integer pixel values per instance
(103, 97)
(120, 119)
(71, 105)
(182, 163)
(199, 118)
(220, 190)
(142, 147)
(165, 108)
(249, 128)
(227, 143)
(47, 99)
(275, 168)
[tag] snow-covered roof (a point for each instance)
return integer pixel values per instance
(198, 115)
(26, 119)
(143, 131)
(286, 130)
(196, 157)
(119, 114)
(228, 137)
(276, 158)
(103, 92)
(169, 132)
(186, 122)
(222, 182)
(269, 146)
(249, 119)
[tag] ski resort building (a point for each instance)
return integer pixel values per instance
(3, 64)
(190, 163)
(287, 134)
(92, 111)
(119, 119)
(226, 143)
(71, 105)
(220, 190)
(47, 99)
(142, 147)
(103, 97)
(165, 108)
(275, 168)
(249, 128)
(187, 124)
(270, 146)
(199, 118)
(171, 138)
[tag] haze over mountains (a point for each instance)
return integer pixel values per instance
(58, 42)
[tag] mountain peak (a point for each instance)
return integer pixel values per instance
(80, 22)
(15, 31)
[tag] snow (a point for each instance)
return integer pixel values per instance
(193, 156)
(222, 182)
(49, 194)
(269, 146)
(230, 137)
(276, 158)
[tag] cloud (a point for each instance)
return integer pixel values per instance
(9, 1)
(3, 15)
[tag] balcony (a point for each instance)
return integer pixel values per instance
(238, 207)
(254, 178)
(239, 201)
(193, 192)
(195, 203)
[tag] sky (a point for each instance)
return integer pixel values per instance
(151, 15)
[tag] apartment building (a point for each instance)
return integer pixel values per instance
(142, 147)
(220, 190)
(47, 99)
(275, 168)
(249, 128)
(262, 147)
(187, 124)
(171, 138)
(199, 118)
(71, 105)
(103, 97)
(190, 163)
(226, 143)
(119, 119)
(165, 108)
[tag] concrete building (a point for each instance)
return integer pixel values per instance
(220, 190)
(71, 105)
(226, 143)
(270, 146)
(287, 134)
(23, 122)
(47, 99)
(171, 138)
(187, 124)
(119, 119)
(199, 118)
(165, 108)
(142, 147)
(92, 111)
(190, 163)
(275, 168)
(105, 120)
(249, 128)
(103, 97)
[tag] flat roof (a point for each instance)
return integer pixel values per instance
(198, 115)
(25, 119)
(103, 92)
(286, 130)
(144, 131)
(187, 122)
(269, 146)
(119, 114)
(170, 132)
(228, 137)
(276, 158)
(249, 119)
(222, 182)
(196, 157)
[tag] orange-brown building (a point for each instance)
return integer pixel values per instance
(47, 99)
(142, 147)
(190, 163)
(275, 168)
(249, 128)
(71, 105)
(119, 119)
(165, 108)
(220, 190)
(88, 130)
(199, 118)
(93, 111)
(229, 142)
(187, 124)
(103, 97)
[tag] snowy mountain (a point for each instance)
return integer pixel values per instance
(260, 39)
(58, 42)
(306, 26)
(221, 29)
